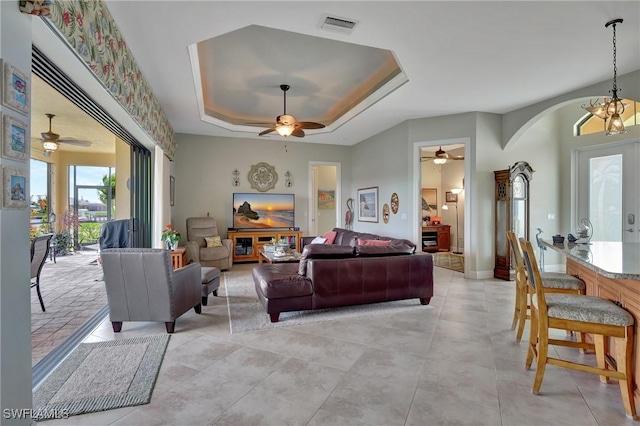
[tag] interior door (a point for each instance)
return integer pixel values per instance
(608, 191)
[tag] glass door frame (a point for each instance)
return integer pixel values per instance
(630, 151)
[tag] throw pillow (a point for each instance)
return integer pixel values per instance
(330, 236)
(213, 241)
(374, 242)
(318, 240)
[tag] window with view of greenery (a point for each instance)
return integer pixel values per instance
(40, 182)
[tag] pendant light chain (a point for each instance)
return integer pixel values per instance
(615, 67)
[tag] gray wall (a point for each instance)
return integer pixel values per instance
(204, 165)
(15, 297)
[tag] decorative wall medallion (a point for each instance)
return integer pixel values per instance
(395, 203)
(263, 177)
(385, 213)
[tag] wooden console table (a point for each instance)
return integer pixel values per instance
(436, 238)
(610, 270)
(247, 244)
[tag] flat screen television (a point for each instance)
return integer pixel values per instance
(258, 210)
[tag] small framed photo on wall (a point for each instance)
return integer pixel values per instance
(15, 186)
(172, 190)
(15, 88)
(368, 204)
(450, 197)
(15, 139)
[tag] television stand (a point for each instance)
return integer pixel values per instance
(247, 243)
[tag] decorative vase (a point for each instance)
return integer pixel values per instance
(169, 245)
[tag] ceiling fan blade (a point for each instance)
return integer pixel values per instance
(456, 157)
(309, 125)
(74, 142)
(298, 132)
(267, 131)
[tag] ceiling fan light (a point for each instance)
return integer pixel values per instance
(49, 146)
(616, 125)
(285, 130)
(439, 160)
(456, 190)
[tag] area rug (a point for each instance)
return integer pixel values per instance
(101, 376)
(246, 312)
(449, 260)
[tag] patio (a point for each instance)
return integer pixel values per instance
(73, 291)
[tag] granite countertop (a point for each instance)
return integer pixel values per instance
(610, 259)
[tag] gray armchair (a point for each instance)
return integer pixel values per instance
(142, 286)
(197, 251)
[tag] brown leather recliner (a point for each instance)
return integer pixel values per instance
(198, 228)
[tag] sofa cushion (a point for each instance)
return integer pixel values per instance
(330, 237)
(213, 241)
(387, 250)
(379, 243)
(323, 251)
(318, 240)
(280, 281)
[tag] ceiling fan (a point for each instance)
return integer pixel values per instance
(287, 124)
(441, 157)
(50, 140)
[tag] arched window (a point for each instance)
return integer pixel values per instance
(589, 123)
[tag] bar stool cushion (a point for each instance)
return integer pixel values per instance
(560, 280)
(585, 308)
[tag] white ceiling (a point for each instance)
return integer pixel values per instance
(458, 56)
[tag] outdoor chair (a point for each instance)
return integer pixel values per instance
(142, 286)
(39, 252)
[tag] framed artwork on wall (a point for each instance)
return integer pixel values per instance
(429, 202)
(15, 140)
(15, 88)
(326, 199)
(368, 204)
(15, 184)
(450, 197)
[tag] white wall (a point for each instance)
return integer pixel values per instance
(15, 294)
(204, 166)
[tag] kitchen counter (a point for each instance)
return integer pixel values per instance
(609, 259)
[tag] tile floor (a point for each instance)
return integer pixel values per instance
(456, 362)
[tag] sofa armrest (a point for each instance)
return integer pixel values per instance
(304, 241)
(193, 252)
(186, 283)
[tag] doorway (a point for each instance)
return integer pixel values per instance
(607, 191)
(324, 196)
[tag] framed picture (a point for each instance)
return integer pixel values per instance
(450, 197)
(15, 185)
(368, 204)
(326, 200)
(429, 202)
(15, 88)
(172, 190)
(15, 140)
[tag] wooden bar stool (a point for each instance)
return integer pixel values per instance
(586, 314)
(552, 282)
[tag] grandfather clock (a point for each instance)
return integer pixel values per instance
(512, 213)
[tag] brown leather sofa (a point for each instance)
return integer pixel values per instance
(345, 273)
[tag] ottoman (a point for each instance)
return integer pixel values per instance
(210, 282)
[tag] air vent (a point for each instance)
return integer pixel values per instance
(342, 25)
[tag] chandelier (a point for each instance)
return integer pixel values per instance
(610, 109)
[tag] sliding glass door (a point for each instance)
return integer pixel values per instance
(608, 191)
